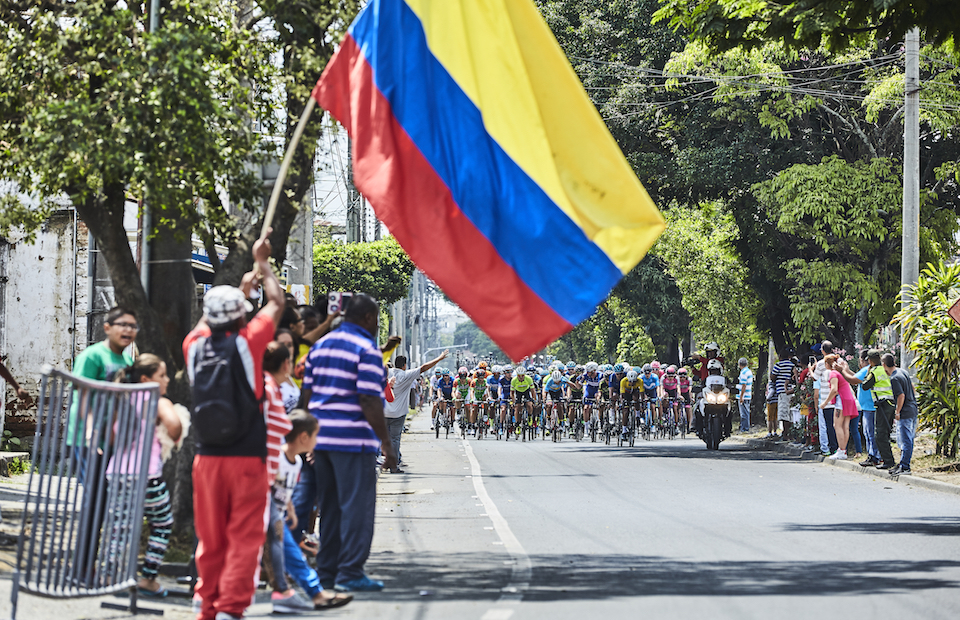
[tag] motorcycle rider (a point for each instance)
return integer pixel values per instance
(714, 377)
(711, 352)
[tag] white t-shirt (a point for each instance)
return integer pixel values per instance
(290, 394)
(401, 392)
(287, 475)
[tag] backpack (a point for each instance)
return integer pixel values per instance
(225, 406)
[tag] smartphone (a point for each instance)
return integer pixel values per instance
(337, 301)
(813, 359)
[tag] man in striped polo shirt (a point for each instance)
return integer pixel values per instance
(343, 388)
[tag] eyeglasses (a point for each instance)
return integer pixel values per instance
(132, 326)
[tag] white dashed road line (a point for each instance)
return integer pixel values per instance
(522, 569)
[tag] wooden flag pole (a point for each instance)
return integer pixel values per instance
(285, 166)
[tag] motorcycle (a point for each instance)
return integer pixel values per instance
(714, 419)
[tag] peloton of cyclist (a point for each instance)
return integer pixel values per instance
(629, 393)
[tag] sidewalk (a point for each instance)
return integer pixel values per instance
(789, 449)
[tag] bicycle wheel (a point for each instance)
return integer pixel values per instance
(438, 422)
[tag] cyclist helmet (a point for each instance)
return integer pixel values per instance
(556, 376)
(482, 365)
(578, 369)
(462, 371)
(438, 371)
(618, 368)
(592, 367)
(682, 372)
(637, 369)
(647, 368)
(655, 365)
(571, 364)
(507, 369)
(632, 375)
(521, 370)
(446, 372)
(671, 370)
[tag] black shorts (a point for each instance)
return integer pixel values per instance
(631, 395)
(556, 397)
(519, 396)
(671, 393)
(651, 393)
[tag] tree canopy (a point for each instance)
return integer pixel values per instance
(378, 268)
(835, 24)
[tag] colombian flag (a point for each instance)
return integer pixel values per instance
(476, 145)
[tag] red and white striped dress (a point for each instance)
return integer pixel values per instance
(278, 425)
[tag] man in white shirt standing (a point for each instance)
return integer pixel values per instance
(822, 376)
(396, 412)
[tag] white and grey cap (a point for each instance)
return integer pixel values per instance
(224, 304)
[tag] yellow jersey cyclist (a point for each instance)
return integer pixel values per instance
(630, 387)
(523, 391)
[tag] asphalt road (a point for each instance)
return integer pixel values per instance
(493, 530)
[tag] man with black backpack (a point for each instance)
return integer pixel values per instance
(224, 357)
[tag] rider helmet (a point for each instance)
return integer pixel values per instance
(647, 368)
(506, 369)
(521, 370)
(671, 369)
(632, 375)
(592, 367)
(578, 369)
(462, 371)
(712, 348)
(571, 365)
(618, 368)
(446, 372)
(682, 372)
(438, 371)
(637, 369)
(714, 365)
(655, 365)
(482, 365)
(556, 376)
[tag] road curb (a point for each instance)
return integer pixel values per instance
(782, 447)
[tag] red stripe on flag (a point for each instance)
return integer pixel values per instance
(417, 207)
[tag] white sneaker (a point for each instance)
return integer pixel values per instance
(841, 455)
(834, 456)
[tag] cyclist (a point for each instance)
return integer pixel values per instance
(591, 391)
(478, 393)
(619, 372)
(651, 389)
(435, 394)
(445, 389)
(669, 384)
(555, 387)
(506, 378)
(461, 388)
(683, 384)
(629, 393)
(523, 391)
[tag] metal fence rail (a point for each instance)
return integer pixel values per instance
(83, 511)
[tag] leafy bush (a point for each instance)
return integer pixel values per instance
(934, 339)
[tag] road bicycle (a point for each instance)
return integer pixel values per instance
(444, 417)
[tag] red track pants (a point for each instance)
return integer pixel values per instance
(229, 508)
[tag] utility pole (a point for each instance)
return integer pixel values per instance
(146, 222)
(910, 265)
(353, 201)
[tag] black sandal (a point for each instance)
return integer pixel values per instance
(338, 600)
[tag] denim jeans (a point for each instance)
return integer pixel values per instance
(297, 566)
(822, 431)
(275, 543)
(827, 416)
(869, 417)
(304, 499)
(745, 414)
(855, 434)
(908, 430)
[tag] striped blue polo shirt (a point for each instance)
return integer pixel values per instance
(340, 366)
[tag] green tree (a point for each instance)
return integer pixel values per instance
(697, 249)
(378, 268)
(934, 338)
(837, 24)
(477, 342)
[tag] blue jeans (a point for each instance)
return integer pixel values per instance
(745, 414)
(869, 417)
(276, 545)
(304, 499)
(347, 494)
(297, 566)
(855, 433)
(908, 430)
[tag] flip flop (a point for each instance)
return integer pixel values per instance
(161, 593)
(339, 600)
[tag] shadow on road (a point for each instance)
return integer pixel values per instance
(586, 577)
(928, 526)
(684, 450)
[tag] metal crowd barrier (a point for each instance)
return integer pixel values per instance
(83, 511)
